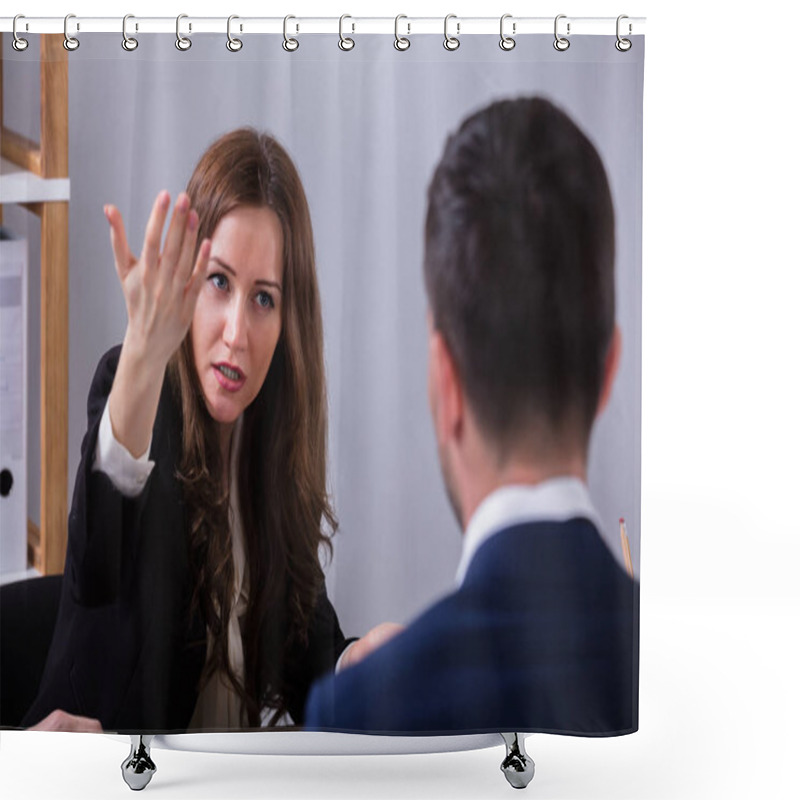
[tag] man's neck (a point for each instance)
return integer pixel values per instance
(516, 473)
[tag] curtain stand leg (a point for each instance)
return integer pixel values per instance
(138, 768)
(517, 766)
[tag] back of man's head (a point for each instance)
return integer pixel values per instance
(519, 269)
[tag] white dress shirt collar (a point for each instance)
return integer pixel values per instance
(553, 500)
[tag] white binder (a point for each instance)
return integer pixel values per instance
(13, 402)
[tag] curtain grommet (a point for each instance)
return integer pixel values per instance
(71, 43)
(18, 43)
(346, 43)
(183, 43)
(401, 43)
(451, 43)
(289, 44)
(561, 43)
(129, 43)
(507, 42)
(233, 44)
(623, 45)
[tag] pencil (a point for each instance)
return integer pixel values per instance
(626, 547)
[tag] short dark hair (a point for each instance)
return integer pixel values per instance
(519, 267)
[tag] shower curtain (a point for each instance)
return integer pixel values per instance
(365, 128)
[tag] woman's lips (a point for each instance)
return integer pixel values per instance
(229, 377)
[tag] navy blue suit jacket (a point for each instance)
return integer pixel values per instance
(541, 636)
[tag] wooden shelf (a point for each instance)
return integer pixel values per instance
(18, 185)
(36, 175)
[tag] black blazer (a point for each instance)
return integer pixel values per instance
(126, 649)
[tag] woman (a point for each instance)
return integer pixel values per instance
(193, 595)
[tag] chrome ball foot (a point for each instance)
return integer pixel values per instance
(138, 768)
(517, 766)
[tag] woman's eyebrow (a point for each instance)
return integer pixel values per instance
(229, 268)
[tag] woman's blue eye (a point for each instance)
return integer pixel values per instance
(264, 299)
(219, 280)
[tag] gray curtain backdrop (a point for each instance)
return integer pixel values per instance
(365, 129)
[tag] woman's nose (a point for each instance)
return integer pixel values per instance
(235, 334)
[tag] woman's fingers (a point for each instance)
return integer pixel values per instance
(155, 227)
(183, 270)
(176, 233)
(59, 720)
(195, 282)
(123, 258)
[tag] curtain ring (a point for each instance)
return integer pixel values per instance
(400, 42)
(507, 42)
(623, 45)
(561, 43)
(129, 43)
(182, 42)
(345, 42)
(289, 44)
(70, 42)
(233, 44)
(18, 43)
(451, 42)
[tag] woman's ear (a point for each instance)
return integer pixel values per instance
(610, 368)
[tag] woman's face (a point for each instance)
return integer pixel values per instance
(237, 320)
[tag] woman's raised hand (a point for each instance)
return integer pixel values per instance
(161, 288)
(161, 285)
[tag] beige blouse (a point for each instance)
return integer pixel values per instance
(218, 705)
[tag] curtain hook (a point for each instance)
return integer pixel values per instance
(345, 42)
(233, 44)
(70, 42)
(623, 45)
(400, 42)
(182, 42)
(451, 42)
(129, 43)
(507, 42)
(289, 44)
(18, 43)
(561, 43)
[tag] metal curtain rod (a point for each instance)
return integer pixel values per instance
(306, 25)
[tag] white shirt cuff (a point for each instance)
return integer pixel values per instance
(128, 474)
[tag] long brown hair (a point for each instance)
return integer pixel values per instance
(282, 492)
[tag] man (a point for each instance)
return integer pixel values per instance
(540, 633)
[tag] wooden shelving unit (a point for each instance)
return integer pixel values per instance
(36, 176)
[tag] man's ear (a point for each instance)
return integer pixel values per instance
(444, 387)
(610, 368)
